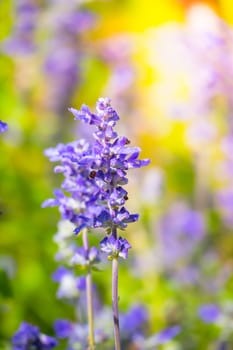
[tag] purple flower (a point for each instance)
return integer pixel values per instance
(112, 157)
(70, 286)
(22, 40)
(3, 126)
(95, 173)
(115, 247)
(63, 328)
(76, 334)
(28, 337)
(182, 229)
(209, 313)
(85, 258)
(133, 321)
(80, 206)
(167, 334)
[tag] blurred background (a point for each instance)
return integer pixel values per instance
(168, 68)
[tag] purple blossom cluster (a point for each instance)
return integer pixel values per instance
(28, 337)
(92, 194)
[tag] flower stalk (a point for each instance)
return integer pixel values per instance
(89, 296)
(115, 303)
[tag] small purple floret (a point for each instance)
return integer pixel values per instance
(115, 247)
(85, 258)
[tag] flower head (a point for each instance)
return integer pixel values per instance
(115, 247)
(92, 194)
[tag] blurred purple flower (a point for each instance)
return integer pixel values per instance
(182, 229)
(3, 126)
(167, 334)
(133, 321)
(76, 334)
(29, 337)
(63, 328)
(62, 70)
(70, 286)
(22, 40)
(65, 55)
(84, 258)
(209, 313)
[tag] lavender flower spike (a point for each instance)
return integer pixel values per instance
(3, 126)
(109, 161)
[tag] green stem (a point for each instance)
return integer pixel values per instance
(89, 296)
(115, 303)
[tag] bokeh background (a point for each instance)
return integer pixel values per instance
(168, 68)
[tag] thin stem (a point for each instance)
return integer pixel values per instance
(89, 296)
(115, 303)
